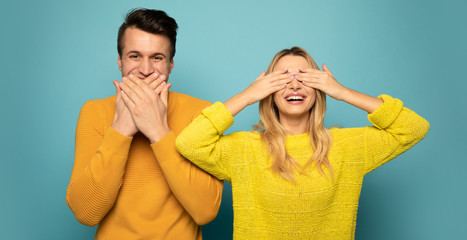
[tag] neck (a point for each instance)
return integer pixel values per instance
(295, 125)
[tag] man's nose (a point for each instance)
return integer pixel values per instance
(146, 68)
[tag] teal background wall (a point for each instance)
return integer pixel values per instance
(55, 55)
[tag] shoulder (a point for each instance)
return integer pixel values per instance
(338, 132)
(103, 109)
(245, 134)
(250, 138)
(101, 102)
(344, 135)
(180, 99)
(186, 106)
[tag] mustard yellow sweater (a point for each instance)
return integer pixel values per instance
(269, 207)
(134, 189)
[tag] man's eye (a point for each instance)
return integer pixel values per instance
(133, 56)
(158, 58)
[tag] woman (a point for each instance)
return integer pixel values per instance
(292, 178)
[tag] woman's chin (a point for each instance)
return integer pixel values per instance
(294, 114)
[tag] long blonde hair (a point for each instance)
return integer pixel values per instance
(273, 134)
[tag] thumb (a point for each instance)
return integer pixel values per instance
(117, 88)
(261, 75)
(165, 93)
(326, 69)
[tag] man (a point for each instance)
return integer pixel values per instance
(127, 175)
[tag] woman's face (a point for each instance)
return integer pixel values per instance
(296, 100)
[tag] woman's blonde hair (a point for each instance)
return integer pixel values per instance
(273, 134)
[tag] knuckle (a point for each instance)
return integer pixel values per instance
(147, 100)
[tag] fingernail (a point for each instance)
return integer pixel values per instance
(163, 83)
(124, 79)
(162, 77)
(131, 76)
(156, 75)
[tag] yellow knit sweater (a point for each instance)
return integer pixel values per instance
(134, 189)
(269, 207)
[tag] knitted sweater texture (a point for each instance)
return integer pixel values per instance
(269, 207)
(134, 189)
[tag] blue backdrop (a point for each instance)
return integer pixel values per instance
(55, 55)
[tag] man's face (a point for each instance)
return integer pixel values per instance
(145, 53)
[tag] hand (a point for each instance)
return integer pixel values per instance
(262, 87)
(322, 80)
(123, 121)
(265, 85)
(148, 107)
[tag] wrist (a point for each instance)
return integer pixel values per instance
(243, 99)
(159, 134)
(344, 94)
(123, 129)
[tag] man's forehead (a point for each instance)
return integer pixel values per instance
(141, 41)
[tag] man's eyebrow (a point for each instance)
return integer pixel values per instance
(139, 53)
(158, 53)
(133, 52)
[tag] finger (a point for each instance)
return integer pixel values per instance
(278, 77)
(283, 82)
(165, 93)
(310, 75)
(279, 71)
(311, 85)
(133, 78)
(278, 88)
(139, 82)
(128, 102)
(151, 78)
(117, 88)
(157, 85)
(159, 88)
(261, 76)
(293, 75)
(276, 73)
(147, 90)
(135, 85)
(326, 69)
(308, 70)
(303, 76)
(281, 78)
(129, 92)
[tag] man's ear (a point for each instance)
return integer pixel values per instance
(119, 62)
(171, 66)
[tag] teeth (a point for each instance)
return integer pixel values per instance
(295, 98)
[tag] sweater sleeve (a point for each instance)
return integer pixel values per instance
(198, 191)
(203, 144)
(396, 129)
(100, 159)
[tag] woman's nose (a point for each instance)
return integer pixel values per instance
(294, 84)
